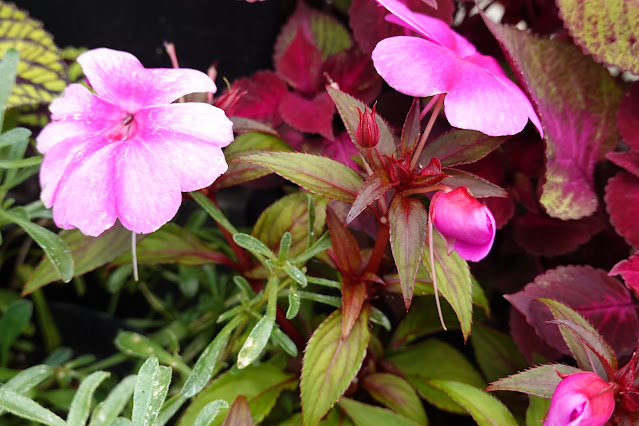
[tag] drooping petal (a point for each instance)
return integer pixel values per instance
(85, 198)
(583, 399)
(189, 137)
(146, 188)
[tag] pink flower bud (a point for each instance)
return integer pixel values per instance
(367, 133)
(583, 399)
(467, 225)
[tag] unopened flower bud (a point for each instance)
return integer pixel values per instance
(229, 100)
(367, 133)
(581, 399)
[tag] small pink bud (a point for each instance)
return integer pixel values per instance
(367, 133)
(583, 399)
(467, 225)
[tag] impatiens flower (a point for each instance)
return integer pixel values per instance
(479, 95)
(467, 225)
(581, 399)
(125, 152)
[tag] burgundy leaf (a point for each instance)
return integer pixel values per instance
(340, 149)
(627, 117)
(629, 270)
(374, 187)
(353, 296)
(527, 339)
(461, 147)
(578, 115)
(603, 301)
(411, 129)
(345, 250)
(239, 413)
(626, 160)
(309, 115)
(545, 236)
(502, 209)
(301, 64)
(354, 73)
(622, 204)
(264, 89)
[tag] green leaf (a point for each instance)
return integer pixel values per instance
(14, 136)
(537, 410)
(284, 342)
(28, 409)
(81, 404)
(21, 163)
(210, 412)
(320, 175)
(460, 147)
(291, 214)
(213, 211)
(408, 219)
(248, 143)
(135, 344)
(239, 414)
(434, 359)
(121, 421)
(421, 320)
(496, 353)
(397, 394)
(478, 187)
(330, 364)
(88, 254)
(294, 272)
(41, 71)
(13, 321)
(208, 360)
(260, 384)
(53, 246)
(366, 415)
(169, 408)
(453, 281)
(607, 29)
(485, 409)
(105, 413)
(8, 70)
(253, 245)
(293, 302)
(540, 381)
(27, 379)
(150, 391)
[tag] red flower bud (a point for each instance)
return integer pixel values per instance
(228, 101)
(367, 133)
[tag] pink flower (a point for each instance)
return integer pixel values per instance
(125, 152)
(467, 225)
(479, 95)
(582, 399)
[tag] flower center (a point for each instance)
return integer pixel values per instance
(123, 130)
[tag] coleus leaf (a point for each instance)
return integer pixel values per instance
(627, 119)
(603, 301)
(628, 160)
(622, 204)
(397, 394)
(578, 115)
(540, 381)
(314, 115)
(373, 188)
(301, 64)
(461, 147)
(580, 337)
(330, 364)
(530, 344)
(264, 89)
(407, 218)
(478, 187)
(607, 29)
(354, 73)
(629, 270)
(320, 175)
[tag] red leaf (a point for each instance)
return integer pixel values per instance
(353, 296)
(627, 117)
(354, 73)
(309, 115)
(502, 209)
(340, 149)
(345, 250)
(578, 115)
(602, 300)
(408, 218)
(622, 204)
(527, 339)
(626, 160)
(545, 236)
(264, 89)
(629, 270)
(301, 64)
(369, 26)
(374, 187)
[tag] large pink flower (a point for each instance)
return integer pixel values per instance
(581, 399)
(126, 152)
(479, 95)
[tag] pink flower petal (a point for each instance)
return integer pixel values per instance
(146, 188)
(189, 137)
(583, 399)
(164, 86)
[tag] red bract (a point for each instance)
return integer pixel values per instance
(467, 225)
(367, 132)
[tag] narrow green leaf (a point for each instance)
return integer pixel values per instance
(284, 342)
(540, 381)
(293, 272)
(21, 163)
(320, 175)
(323, 243)
(135, 344)
(150, 391)
(27, 379)
(485, 409)
(28, 409)
(8, 71)
(408, 219)
(213, 211)
(397, 394)
(253, 245)
(255, 342)
(13, 321)
(378, 317)
(14, 136)
(366, 415)
(105, 413)
(537, 410)
(210, 412)
(121, 421)
(285, 246)
(169, 409)
(81, 404)
(330, 363)
(496, 353)
(293, 302)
